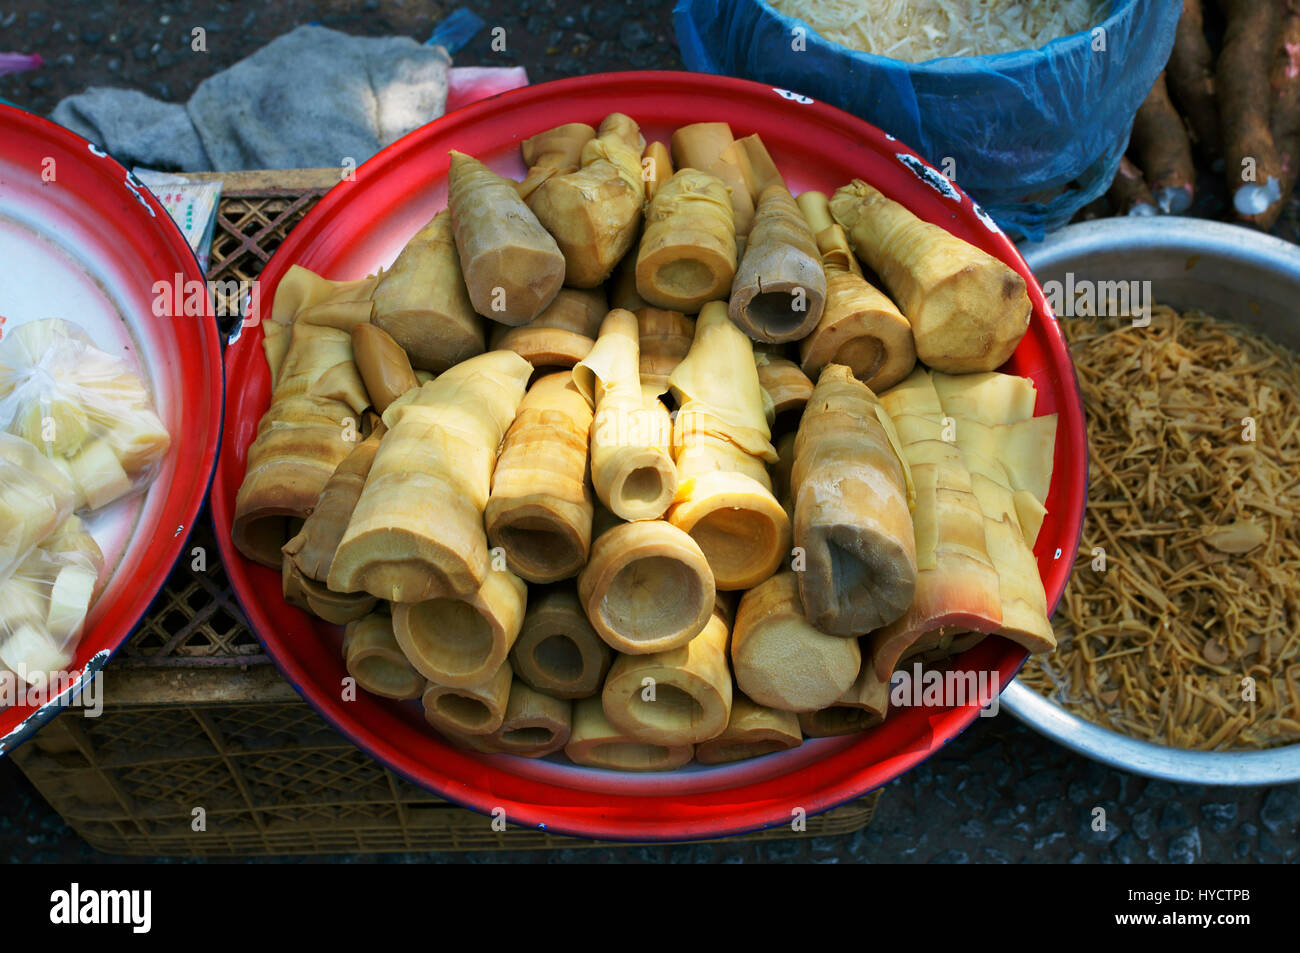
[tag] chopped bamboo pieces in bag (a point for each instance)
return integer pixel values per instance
(594, 212)
(722, 445)
(560, 336)
(595, 743)
(314, 417)
(852, 520)
(513, 268)
(540, 509)
(687, 254)
(679, 696)
(859, 327)
(647, 587)
(86, 410)
(558, 652)
(968, 310)
(752, 731)
(782, 660)
(631, 461)
(417, 530)
(35, 498)
(780, 288)
(422, 302)
(376, 661)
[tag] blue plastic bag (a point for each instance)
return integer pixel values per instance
(1033, 135)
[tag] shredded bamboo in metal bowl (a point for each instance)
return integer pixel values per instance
(1196, 607)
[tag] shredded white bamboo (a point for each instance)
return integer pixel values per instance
(919, 30)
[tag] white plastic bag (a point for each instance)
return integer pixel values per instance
(88, 412)
(44, 603)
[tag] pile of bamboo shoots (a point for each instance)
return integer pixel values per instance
(694, 501)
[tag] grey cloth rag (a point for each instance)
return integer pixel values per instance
(309, 99)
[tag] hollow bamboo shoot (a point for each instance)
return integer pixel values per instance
(558, 652)
(780, 288)
(687, 254)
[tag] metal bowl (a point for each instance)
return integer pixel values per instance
(1235, 274)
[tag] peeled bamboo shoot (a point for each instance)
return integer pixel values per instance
(631, 463)
(852, 521)
(560, 336)
(554, 152)
(782, 660)
(540, 509)
(477, 711)
(665, 339)
(312, 421)
(863, 706)
(417, 530)
(595, 743)
(558, 652)
(968, 310)
(647, 587)
(859, 327)
(422, 302)
(752, 732)
(535, 724)
(460, 643)
(594, 212)
(710, 147)
(687, 254)
(780, 288)
(375, 660)
(513, 268)
(722, 446)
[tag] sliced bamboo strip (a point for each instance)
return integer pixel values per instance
(375, 660)
(674, 697)
(513, 268)
(631, 463)
(560, 336)
(594, 212)
(558, 652)
(422, 302)
(461, 643)
(595, 743)
(417, 530)
(687, 254)
(780, 288)
(540, 509)
(647, 587)
(535, 724)
(305, 433)
(477, 711)
(752, 732)
(722, 446)
(859, 327)
(781, 660)
(852, 521)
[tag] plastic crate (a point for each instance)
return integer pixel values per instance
(195, 715)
